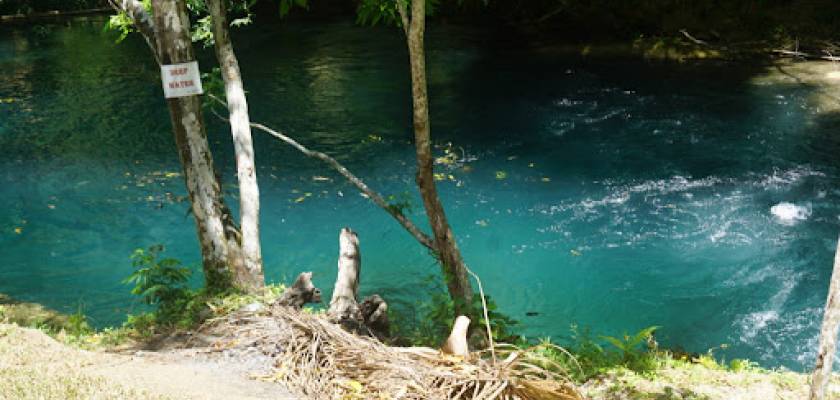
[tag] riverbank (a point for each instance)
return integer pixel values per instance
(222, 365)
(36, 366)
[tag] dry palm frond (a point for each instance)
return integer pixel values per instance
(320, 360)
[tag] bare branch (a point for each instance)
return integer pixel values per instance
(693, 39)
(421, 237)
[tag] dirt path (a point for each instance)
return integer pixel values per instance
(35, 366)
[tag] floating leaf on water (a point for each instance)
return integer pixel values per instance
(307, 194)
(451, 177)
(531, 165)
(300, 199)
(440, 177)
(545, 179)
(172, 174)
(575, 253)
(318, 178)
(501, 175)
(18, 230)
(51, 206)
(445, 160)
(482, 223)
(374, 138)
(511, 158)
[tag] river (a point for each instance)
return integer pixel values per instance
(611, 194)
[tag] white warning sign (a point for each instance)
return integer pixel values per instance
(181, 80)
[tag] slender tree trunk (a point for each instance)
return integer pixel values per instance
(218, 236)
(240, 124)
(450, 257)
(828, 335)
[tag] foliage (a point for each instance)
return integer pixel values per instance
(585, 357)
(433, 318)
(287, 5)
(121, 23)
(372, 12)
(401, 203)
(160, 282)
(33, 6)
(630, 346)
(163, 284)
(77, 324)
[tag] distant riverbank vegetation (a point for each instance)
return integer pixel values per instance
(14, 7)
(811, 22)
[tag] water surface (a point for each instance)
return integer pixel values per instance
(611, 194)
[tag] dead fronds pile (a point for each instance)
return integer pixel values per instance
(320, 360)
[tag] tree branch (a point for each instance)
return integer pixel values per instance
(403, 16)
(141, 19)
(421, 237)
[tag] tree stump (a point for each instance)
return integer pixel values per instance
(301, 292)
(371, 316)
(456, 343)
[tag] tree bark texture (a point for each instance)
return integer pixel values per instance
(828, 335)
(217, 234)
(344, 304)
(141, 19)
(454, 270)
(301, 292)
(371, 316)
(240, 124)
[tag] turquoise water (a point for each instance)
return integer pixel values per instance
(633, 194)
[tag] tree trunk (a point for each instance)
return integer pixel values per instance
(452, 264)
(828, 335)
(217, 235)
(240, 124)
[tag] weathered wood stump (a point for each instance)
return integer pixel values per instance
(369, 317)
(456, 343)
(301, 292)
